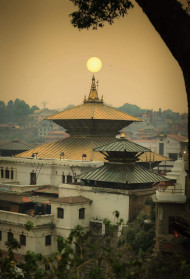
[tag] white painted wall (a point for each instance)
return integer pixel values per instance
(48, 172)
(170, 145)
(104, 201)
(71, 217)
(35, 239)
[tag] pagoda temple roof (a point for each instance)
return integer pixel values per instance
(121, 145)
(122, 173)
(93, 110)
(75, 147)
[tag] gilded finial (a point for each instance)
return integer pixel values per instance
(93, 95)
(122, 135)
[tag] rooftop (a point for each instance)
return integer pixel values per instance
(15, 145)
(72, 200)
(74, 147)
(122, 173)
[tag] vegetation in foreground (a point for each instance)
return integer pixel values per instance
(83, 256)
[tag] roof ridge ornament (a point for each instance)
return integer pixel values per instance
(122, 136)
(93, 95)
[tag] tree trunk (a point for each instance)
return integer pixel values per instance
(173, 25)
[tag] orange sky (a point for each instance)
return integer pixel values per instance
(43, 58)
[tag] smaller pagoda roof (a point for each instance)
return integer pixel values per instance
(122, 145)
(122, 173)
(15, 145)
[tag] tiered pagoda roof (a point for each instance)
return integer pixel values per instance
(121, 169)
(85, 119)
(90, 125)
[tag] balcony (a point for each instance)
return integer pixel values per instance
(171, 194)
(8, 217)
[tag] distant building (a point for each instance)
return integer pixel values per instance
(170, 146)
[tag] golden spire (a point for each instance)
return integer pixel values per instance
(93, 85)
(93, 95)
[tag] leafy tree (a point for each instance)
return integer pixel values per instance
(33, 108)
(170, 20)
(21, 109)
(2, 112)
(2, 105)
(131, 109)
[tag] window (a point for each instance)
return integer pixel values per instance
(23, 239)
(48, 240)
(81, 213)
(9, 236)
(161, 148)
(32, 178)
(2, 173)
(63, 178)
(7, 174)
(173, 156)
(60, 213)
(69, 179)
(12, 174)
(0, 235)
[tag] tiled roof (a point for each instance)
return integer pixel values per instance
(178, 138)
(47, 190)
(14, 198)
(75, 147)
(72, 200)
(122, 173)
(93, 111)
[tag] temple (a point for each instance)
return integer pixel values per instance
(79, 180)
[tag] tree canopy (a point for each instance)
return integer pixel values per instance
(15, 112)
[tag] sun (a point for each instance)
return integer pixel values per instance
(94, 64)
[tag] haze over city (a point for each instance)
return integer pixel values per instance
(43, 58)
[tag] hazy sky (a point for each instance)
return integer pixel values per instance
(43, 58)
